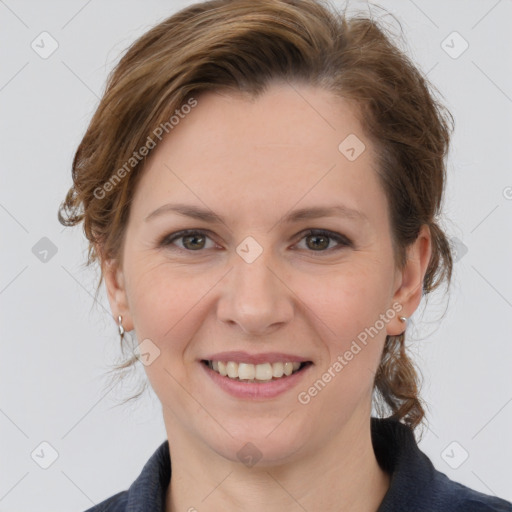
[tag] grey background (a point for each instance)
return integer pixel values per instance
(57, 343)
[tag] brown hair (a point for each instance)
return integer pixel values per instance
(243, 46)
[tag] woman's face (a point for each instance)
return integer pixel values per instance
(256, 281)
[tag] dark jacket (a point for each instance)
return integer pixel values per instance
(416, 486)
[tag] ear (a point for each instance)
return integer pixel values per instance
(116, 291)
(409, 280)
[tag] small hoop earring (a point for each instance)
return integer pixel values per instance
(120, 327)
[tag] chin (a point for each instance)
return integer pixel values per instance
(253, 445)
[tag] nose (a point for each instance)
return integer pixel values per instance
(254, 297)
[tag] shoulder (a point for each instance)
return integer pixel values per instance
(463, 499)
(415, 483)
(432, 491)
(148, 491)
(116, 503)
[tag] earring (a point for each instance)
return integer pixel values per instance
(402, 318)
(120, 327)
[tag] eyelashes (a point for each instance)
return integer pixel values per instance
(195, 236)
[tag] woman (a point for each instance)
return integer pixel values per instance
(261, 184)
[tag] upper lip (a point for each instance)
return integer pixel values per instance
(265, 357)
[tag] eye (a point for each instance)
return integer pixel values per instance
(192, 240)
(319, 240)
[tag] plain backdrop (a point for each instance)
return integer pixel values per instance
(57, 342)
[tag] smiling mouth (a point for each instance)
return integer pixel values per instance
(246, 372)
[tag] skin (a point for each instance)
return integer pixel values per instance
(253, 161)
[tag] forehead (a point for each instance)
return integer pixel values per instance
(285, 115)
(285, 146)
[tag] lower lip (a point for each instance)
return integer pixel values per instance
(253, 390)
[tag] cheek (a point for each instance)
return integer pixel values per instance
(346, 310)
(165, 301)
(352, 344)
(349, 299)
(168, 309)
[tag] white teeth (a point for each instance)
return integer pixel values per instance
(246, 371)
(251, 372)
(221, 368)
(277, 370)
(232, 369)
(263, 371)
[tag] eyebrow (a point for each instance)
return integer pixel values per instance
(294, 216)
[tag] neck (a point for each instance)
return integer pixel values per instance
(341, 475)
